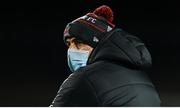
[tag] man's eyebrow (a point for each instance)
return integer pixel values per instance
(69, 40)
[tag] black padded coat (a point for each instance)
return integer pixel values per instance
(115, 75)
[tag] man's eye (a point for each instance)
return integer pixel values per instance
(68, 43)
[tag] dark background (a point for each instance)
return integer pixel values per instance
(33, 56)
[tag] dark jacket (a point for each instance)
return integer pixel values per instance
(115, 76)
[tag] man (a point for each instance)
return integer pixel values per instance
(108, 65)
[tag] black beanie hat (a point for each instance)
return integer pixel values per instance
(91, 27)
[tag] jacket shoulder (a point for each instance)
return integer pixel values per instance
(74, 92)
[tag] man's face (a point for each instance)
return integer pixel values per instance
(75, 44)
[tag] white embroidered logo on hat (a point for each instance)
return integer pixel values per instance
(109, 28)
(95, 39)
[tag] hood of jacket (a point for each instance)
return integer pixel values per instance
(122, 48)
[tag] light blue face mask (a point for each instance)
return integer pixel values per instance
(77, 58)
